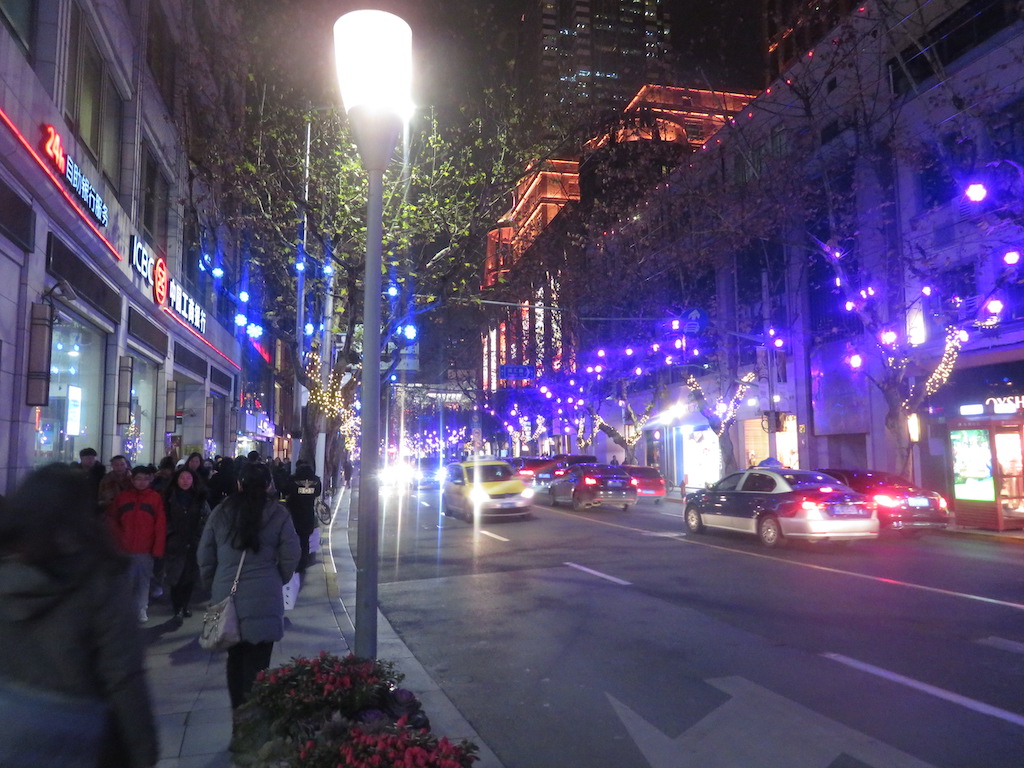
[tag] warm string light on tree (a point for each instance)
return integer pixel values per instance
(332, 398)
(944, 369)
(727, 413)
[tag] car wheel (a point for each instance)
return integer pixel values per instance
(554, 501)
(693, 521)
(769, 531)
(445, 508)
(657, 501)
(625, 507)
(577, 503)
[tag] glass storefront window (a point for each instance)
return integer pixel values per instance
(140, 433)
(72, 420)
(972, 465)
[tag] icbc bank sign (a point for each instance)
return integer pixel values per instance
(167, 292)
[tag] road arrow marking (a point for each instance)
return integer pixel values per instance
(758, 727)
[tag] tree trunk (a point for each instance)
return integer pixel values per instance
(729, 463)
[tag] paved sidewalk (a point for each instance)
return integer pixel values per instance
(189, 687)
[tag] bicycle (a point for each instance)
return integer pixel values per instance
(323, 511)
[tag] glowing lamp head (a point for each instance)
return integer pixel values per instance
(976, 192)
(241, 320)
(856, 361)
(888, 337)
(243, 296)
(309, 329)
(373, 52)
(217, 272)
(300, 267)
(994, 306)
(1011, 257)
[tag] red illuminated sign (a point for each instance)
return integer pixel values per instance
(160, 281)
(53, 146)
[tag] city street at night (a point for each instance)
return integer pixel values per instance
(604, 638)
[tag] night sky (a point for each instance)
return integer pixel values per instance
(718, 42)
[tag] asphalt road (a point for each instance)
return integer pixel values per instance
(607, 638)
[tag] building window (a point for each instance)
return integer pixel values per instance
(160, 54)
(73, 419)
(140, 436)
(93, 106)
(155, 196)
(18, 15)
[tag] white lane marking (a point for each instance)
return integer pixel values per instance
(599, 574)
(493, 535)
(1002, 644)
(942, 693)
(866, 576)
(684, 539)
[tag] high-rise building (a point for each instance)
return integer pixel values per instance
(594, 53)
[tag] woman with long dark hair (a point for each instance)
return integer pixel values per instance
(250, 522)
(72, 673)
(187, 511)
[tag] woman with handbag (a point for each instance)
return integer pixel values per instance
(250, 524)
(72, 673)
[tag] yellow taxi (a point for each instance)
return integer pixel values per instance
(481, 487)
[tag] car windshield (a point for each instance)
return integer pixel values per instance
(877, 480)
(490, 473)
(804, 480)
(651, 472)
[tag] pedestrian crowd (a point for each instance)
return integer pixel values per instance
(83, 551)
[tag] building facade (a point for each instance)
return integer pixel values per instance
(115, 302)
(594, 53)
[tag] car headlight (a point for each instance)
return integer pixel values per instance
(478, 495)
(527, 493)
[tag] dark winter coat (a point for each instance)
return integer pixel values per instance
(259, 599)
(74, 632)
(301, 492)
(187, 512)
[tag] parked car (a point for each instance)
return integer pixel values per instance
(473, 489)
(780, 504)
(650, 483)
(902, 506)
(588, 485)
(527, 466)
(557, 466)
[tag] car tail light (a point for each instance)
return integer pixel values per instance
(559, 472)
(634, 481)
(942, 503)
(884, 500)
(526, 472)
(590, 481)
(810, 505)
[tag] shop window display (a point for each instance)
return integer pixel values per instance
(140, 432)
(72, 420)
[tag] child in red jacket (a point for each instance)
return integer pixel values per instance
(137, 519)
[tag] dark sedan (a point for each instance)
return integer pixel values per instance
(780, 504)
(588, 485)
(902, 506)
(558, 466)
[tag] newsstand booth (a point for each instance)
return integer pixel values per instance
(987, 449)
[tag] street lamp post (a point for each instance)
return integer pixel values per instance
(373, 52)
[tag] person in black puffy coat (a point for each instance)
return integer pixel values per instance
(301, 491)
(187, 510)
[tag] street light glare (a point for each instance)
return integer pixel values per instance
(373, 52)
